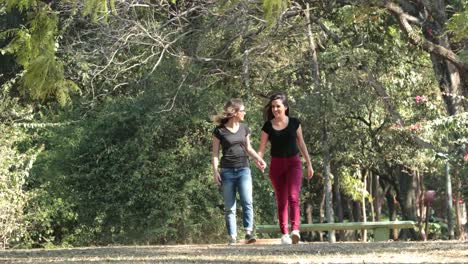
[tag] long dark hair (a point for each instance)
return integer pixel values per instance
(230, 109)
(267, 113)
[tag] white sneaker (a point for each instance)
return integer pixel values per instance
(295, 236)
(286, 240)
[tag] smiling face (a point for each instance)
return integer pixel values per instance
(233, 110)
(278, 109)
(240, 114)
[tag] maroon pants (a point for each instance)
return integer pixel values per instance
(286, 178)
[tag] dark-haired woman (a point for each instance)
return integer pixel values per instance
(285, 136)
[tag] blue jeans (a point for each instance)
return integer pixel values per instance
(233, 180)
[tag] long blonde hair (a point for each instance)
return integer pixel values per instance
(230, 109)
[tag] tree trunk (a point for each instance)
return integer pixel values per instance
(407, 199)
(371, 193)
(322, 212)
(357, 217)
(420, 193)
(338, 202)
(408, 186)
(377, 197)
(328, 192)
(364, 213)
(309, 216)
(460, 234)
(350, 206)
(446, 72)
(324, 130)
(391, 212)
(448, 182)
(461, 231)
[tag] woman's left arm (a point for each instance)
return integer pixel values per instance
(303, 149)
(261, 164)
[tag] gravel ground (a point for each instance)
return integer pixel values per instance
(262, 252)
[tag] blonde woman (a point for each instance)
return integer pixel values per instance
(234, 173)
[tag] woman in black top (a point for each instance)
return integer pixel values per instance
(285, 136)
(234, 138)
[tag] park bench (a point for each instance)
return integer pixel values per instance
(381, 230)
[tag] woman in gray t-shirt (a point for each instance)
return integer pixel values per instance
(234, 138)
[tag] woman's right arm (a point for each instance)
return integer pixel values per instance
(215, 160)
(263, 143)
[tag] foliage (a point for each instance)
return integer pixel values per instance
(273, 8)
(437, 230)
(133, 175)
(352, 185)
(98, 9)
(13, 172)
(15, 165)
(34, 48)
(458, 24)
(20, 4)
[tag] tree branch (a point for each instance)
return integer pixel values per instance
(328, 32)
(404, 19)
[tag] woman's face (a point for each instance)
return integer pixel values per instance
(241, 113)
(278, 108)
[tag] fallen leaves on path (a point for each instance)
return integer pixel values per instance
(271, 252)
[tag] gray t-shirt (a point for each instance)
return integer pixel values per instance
(233, 146)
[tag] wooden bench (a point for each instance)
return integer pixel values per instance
(381, 229)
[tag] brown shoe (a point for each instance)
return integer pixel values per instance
(250, 239)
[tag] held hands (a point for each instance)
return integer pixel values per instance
(261, 164)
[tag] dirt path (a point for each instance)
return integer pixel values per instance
(383, 252)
